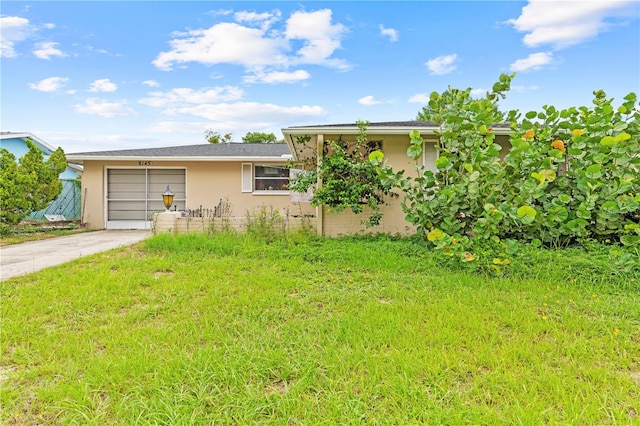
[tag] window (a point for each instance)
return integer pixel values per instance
(430, 155)
(271, 178)
(265, 178)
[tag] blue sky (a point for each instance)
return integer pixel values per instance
(92, 76)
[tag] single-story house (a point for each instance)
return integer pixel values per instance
(68, 202)
(123, 189)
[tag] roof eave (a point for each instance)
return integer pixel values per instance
(21, 135)
(82, 158)
(391, 130)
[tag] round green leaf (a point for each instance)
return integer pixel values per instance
(593, 171)
(527, 214)
(442, 163)
(607, 141)
(376, 156)
(558, 213)
(548, 174)
(622, 137)
(414, 151)
(435, 235)
(630, 240)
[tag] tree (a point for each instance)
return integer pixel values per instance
(259, 137)
(216, 137)
(29, 185)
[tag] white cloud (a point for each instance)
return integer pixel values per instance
(368, 101)
(263, 20)
(566, 23)
(183, 127)
(13, 29)
(186, 96)
(478, 92)
(277, 77)
(389, 32)
(240, 117)
(311, 36)
(50, 84)
(103, 85)
(442, 64)
(240, 112)
(95, 106)
(47, 49)
(223, 43)
(419, 98)
(522, 89)
(534, 61)
(49, 26)
(321, 38)
(151, 83)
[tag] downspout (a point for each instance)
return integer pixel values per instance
(320, 208)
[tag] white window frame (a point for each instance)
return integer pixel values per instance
(429, 161)
(269, 191)
(249, 179)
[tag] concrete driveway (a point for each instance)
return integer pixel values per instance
(26, 258)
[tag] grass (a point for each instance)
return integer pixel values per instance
(231, 330)
(18, 237)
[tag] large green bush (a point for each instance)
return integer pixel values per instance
(30, 184)
(569, 175)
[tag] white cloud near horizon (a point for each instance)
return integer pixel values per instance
(566, 23)
(276, 77)
(419, 98)
(306, 38)
(50, 84)
(103, 85)
(534, 61)
(236, 117)
(13, 29)
(46, 50)
(96, 106)
(182, 96)
(369, 101)
(522, 89)
(389, 32)
(442, 65)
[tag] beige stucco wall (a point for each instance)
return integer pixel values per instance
(206, 183)
(393, 218)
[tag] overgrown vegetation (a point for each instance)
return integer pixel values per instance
(31, 232)
(29, 184)
(569, 176)
(234, 329)
(349, 179)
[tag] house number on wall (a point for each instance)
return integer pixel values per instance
(144, 163)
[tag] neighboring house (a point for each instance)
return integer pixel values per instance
(68, 202)
(393, 138)
(123, 189)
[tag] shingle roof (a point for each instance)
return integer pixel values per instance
(410, 123)
(387, 124)
(201, 150)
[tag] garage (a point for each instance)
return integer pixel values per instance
(134, 195)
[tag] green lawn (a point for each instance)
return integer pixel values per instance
(230, 330)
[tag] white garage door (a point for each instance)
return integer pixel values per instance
(133, 195)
